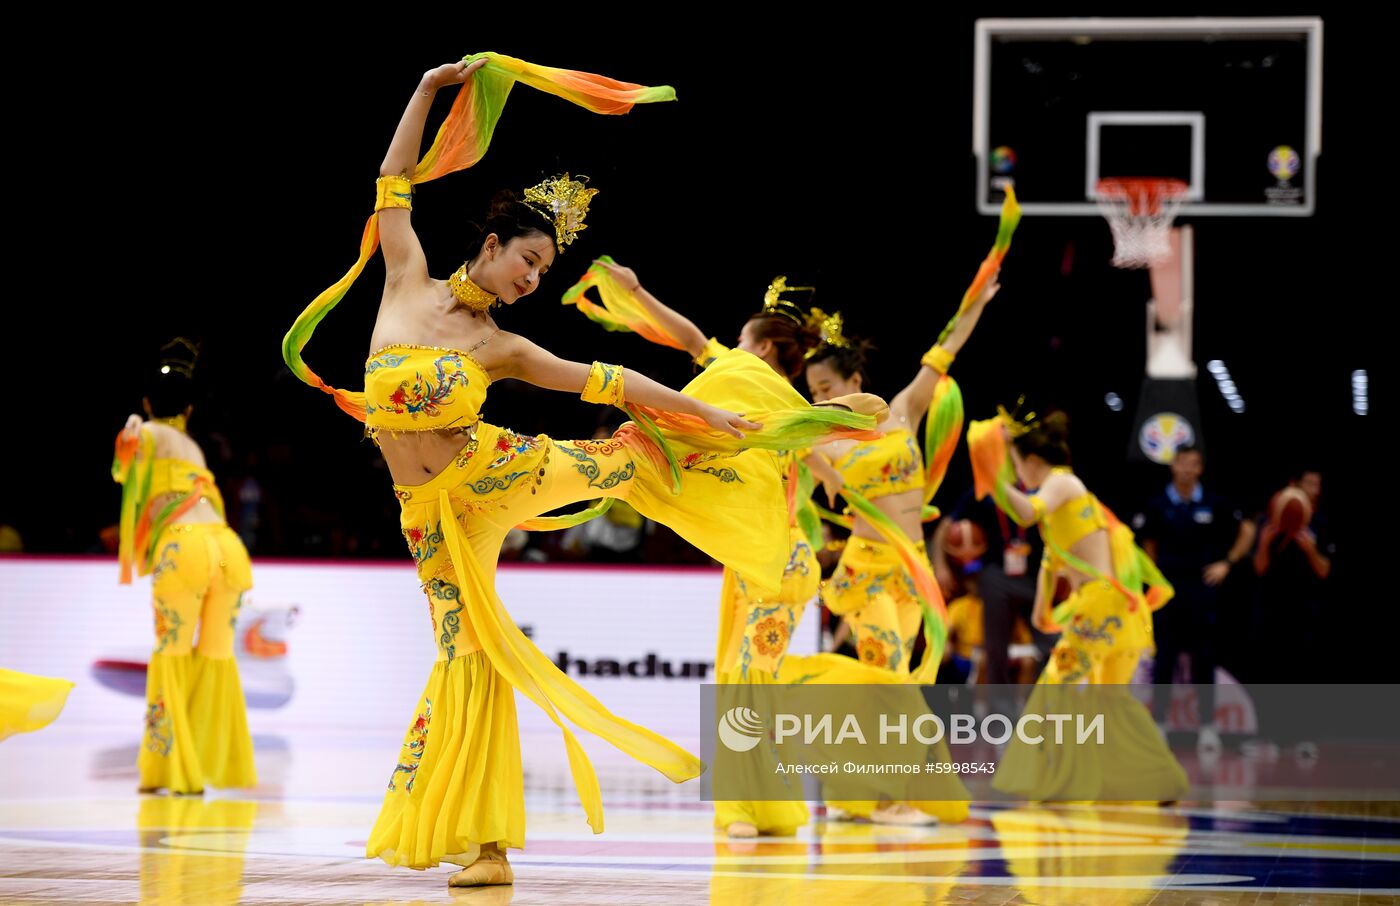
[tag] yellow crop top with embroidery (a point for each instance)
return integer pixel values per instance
(1074, 519)
(888, 465)
(423, 388)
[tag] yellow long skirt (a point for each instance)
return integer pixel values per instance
(874, 592)
(753, 641)
(1101, 647)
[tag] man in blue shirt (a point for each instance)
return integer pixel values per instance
(1196, 538)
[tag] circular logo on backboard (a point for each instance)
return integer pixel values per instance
(1163, 434)
(1003, 159)
(1284, 162)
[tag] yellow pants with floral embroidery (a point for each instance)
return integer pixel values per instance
(872, 590)
(196, 718)
(753, 641)
(458, 782)
(1105, 637)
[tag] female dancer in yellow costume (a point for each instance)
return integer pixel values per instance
(1106, 620)
(456, 794)
(872, 587)
(173, 528)
(754, 630)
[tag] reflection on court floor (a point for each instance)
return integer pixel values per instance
(73, 830)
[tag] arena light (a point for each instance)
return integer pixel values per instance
(1113, 401)
(1360, 392)
(1228, 390)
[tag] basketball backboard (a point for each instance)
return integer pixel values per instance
(1233, 107)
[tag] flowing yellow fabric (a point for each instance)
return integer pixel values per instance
(1131, 762)
(753, 640)
(731, 506)
(29, 702)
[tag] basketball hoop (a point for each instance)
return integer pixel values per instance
(1140, 214)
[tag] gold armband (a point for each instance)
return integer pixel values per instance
(938, 358)
(604, 385)
(393, 192)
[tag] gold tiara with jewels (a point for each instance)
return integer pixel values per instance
(1016, 423)
(775, 304)
(564, 203)
(829, 326)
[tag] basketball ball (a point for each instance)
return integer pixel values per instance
(1290, 510)
(965, 541)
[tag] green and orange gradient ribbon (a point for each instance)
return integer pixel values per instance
(460, 143)
(943, 428)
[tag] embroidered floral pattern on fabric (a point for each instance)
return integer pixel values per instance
(894, 475)
(1083, 627)
(898, 472)
(464, 456)
(422, 396)
(768, 630)
(492, 483)
(167, 561)
(847, 580)
(158, 735)
(770, 636)
(588, 466)
(388, 360)
(879, 650)
(696, 462)
(423, 542)
(1071, 663)
(168, 625)
(415, 746)
(451, 620)
(799, 560)
(598, 447)
(510, 445)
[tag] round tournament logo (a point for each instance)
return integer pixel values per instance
(1163, 434)
(740, 729)
(1003, 159)
(1284, 162)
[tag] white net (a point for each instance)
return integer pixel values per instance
(1140, 214)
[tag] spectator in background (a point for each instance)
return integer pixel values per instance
(1196, 537)
(965, 655)
(1006, 572)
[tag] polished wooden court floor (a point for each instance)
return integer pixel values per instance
(74, 830)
